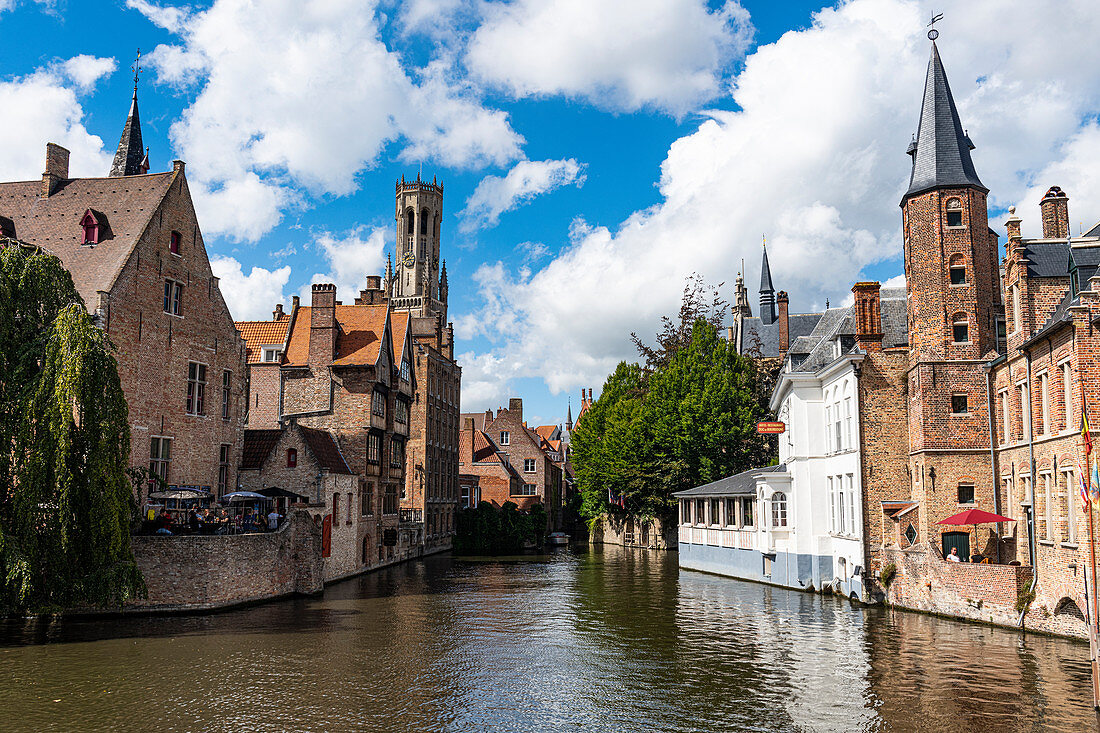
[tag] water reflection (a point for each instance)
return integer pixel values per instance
(607, 640)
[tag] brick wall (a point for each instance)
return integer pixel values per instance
(202, 573)
(263, 395)
(654, 534)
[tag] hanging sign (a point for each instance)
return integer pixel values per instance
(770, 428)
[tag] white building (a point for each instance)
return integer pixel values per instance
(806, 528)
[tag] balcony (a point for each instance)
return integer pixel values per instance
(412, 516)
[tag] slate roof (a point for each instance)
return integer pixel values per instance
(130, 158)
(941, 154)
(325, 449)
(766, 275)
(257, 334)
(739, 484)
(53, 223)
(358, 339)
(257, 446)
(798, 325)
(818, 350)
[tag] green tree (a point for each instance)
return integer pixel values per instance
(67, 505)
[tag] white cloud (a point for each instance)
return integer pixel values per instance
(813, 157)
(41, 107)
(85, 70)
(301, 116)
(350, 257)
(617, 54)
(169, 18)
(533, 251)
(527, 179)
(250, 297)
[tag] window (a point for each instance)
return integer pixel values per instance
(406, 371)
(529, 490)
(272, 354)
(1048, 507)
(335, 509)
(841, 506)
(466, 500)
(715, 512)
(378, 404)
(1015, 308)
(366, 549)
(779, 509)
(223, 469)
(174, 243)
(397, 453)
(528, 465)
(957, 270)
(91, 228)
(227, 379)
(389, 500)
(911, 535)
(966, 493)
(291, 457)
(1071, 508)
(160, 453)
(196, 388)
(173, 297)
(832, 504)
(374, 448)
(954, 212)
(1044, 404)
(958, 404)
(1025, 411)
(747, 506)
(1005, 415)
(849, 439)
(505, 438)
(851, 494)
(960, 329)
(829, 446)
(731, 512)
(367, 500)
(401, 411)
(1067, 394)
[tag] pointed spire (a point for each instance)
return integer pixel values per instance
(387, 282)
(941, 150)
(767, 290)
(131, 156)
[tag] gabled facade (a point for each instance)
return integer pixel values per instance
(136, 254)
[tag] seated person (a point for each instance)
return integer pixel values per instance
(954, 556)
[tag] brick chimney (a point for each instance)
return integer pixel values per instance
(57, 168)
(1055, 209)
(373, 294)
(515, 408)
(868, 314)
(781, 302)
(1012, 225)
(322, 325)
(277, 314)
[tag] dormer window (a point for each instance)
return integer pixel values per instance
(91, 227)
(174, 243)
(954, 211)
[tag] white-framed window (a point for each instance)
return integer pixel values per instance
(779, 509)
(1048, 506)
(227, 391)
(406, 370)
(1006, 417)
(849, 480)
(526, 490)
(505, 437)
(196, 388)
(842, 506)
(829, 447)
(160, 455)
(1071, 506)
(1044, 404)
(1067, 393)
(1025, 410)
(1015, 308)
(378, 404)
(271, 354)
(832, 503)
(528, 465)
(849, 438)
(173, 297)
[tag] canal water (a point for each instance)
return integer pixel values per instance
(605, 639)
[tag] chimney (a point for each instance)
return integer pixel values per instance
(322, 325)
(868, 314)
(277, 314)
(468, 424)
(373, 294)
(295, 301)
(781, 301)
(1012, 225)
(178, 165)
(57, 168)
(1055, 209)
(515, 407)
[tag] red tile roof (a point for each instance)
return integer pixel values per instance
(357, 342)
(123, 207)
(399, 332)
(257, 334)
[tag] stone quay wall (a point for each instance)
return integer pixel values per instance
(978, 592)
(651, 533)
(201, 573)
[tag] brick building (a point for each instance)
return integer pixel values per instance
(133, 245)
(265, 342)
(769, 335)
(503, 449)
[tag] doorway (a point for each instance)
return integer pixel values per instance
(958, 540)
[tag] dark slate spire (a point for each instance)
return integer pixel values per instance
(941, 152)
(131, 158)
(767, 291)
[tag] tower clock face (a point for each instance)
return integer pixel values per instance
(408, 260)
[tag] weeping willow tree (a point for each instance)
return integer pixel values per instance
(66, 506)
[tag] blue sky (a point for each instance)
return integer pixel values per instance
(594, 153)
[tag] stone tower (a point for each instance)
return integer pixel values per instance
(416, 285)
(954, 309)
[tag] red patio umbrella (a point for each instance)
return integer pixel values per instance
(976, 517)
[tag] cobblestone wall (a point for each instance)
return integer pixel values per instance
(652, 533)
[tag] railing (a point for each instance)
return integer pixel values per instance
(732, 537)
(412, 516)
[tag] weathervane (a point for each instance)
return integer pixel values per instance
(137, 69)
(934, 34)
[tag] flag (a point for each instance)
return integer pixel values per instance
(1084, 478)
(1085, 431)
(1094, 489)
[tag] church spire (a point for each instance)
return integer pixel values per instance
(131, 158)
(767, 290)
(941, 150)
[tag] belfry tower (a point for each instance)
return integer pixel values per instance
(416, 285)
(954, 309)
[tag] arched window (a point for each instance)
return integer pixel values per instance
(291, 457)
(91, 227)
(779, 509)
(960, 329)
(954, 211)
(174, 243)
(424, 216)
(957, 270)
(410, 223)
